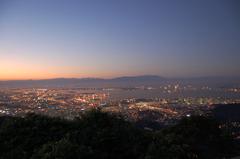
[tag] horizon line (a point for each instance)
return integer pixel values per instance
(109, 78)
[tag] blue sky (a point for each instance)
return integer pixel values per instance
(109, 38)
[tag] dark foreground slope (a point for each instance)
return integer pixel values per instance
(227, 112)
(228, 115)
(105, 136)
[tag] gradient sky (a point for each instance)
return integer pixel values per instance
(108, 38)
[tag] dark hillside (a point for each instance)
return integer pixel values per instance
(105, 136)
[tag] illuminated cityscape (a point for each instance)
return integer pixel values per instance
(119, 79)
(172, 103)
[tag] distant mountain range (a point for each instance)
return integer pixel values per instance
(126, 81)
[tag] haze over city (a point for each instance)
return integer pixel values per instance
(106, 39)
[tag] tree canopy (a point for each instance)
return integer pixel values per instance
(100, 135)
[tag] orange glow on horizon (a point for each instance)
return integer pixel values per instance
(31, 74)
(19, 68)
(42, 76)
(25, 72)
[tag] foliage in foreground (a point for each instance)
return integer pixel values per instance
(104, 136)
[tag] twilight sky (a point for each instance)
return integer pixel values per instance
(108, 38)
